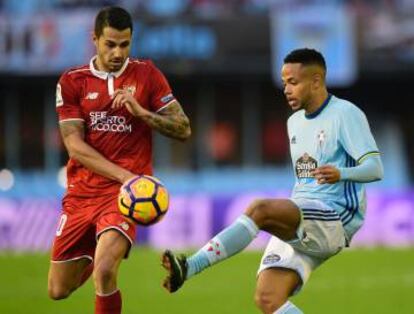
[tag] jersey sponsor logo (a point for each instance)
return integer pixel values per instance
(166, 99)
(92, 95)
(59, 98)
(100, 121)
(304, 166)
(271, 259)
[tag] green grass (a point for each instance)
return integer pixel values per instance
(377, 281)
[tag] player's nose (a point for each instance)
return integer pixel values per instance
(286, 90)
(117, 53)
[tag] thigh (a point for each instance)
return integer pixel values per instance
(112, 247)
(67, 273)
(279, 217)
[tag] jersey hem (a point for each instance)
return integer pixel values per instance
(72, 259)
(115, 228)
(165, 106)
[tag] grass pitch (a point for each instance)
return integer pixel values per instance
(379, 281)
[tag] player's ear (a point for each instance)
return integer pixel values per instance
(317, 80)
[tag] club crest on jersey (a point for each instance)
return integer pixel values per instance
(304, 167)
(271, 259)
(130, 89)
(293, 139)
(321, 137)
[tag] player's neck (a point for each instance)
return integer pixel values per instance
(317, 102)
(99, 65)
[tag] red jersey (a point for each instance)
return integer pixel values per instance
(84, 93)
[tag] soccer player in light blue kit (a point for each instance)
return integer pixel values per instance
(333, 154)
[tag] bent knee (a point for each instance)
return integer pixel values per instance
(268, 302)
(259, 211)
(58, 292)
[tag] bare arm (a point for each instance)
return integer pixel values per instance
(73, 137)
(170, 121)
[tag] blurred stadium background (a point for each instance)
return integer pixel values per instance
(222, 59)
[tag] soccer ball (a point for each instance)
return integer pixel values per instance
(144, 200)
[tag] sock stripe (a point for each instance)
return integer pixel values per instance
(107, 294)
(249, 224)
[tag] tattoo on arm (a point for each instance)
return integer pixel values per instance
(71, 128)
(170, 121)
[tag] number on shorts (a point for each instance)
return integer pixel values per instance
(62, 223)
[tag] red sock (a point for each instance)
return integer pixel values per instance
(109, 304)
(86, 274)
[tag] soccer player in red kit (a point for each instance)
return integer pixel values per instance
(107, 111)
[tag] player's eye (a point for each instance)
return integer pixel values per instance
(110, 44)
(125, 44)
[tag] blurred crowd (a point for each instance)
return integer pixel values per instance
(209, 8)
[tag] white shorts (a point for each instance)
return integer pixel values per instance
(320, 236)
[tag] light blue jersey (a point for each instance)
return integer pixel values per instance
(337, 134)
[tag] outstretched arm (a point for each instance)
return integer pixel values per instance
(368, 170)
(170, 121)
(73, 136)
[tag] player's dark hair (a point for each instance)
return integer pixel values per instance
(306, 56)
(115, 17)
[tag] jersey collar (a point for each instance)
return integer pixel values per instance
(317, 112)
(104, 75)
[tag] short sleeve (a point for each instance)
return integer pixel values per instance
(160, 91)
(68, 100)
(355, 134)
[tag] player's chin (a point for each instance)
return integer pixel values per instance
(296, 107)
(115, 68)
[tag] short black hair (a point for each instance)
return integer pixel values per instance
(115, 17)
(306, 56)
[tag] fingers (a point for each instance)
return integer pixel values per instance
(326, 174)
(120, 99)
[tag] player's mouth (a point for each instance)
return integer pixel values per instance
(115, 65)
(116, 62)
(292, 102)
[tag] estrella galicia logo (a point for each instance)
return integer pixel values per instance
(305, 165)
(271, 259)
